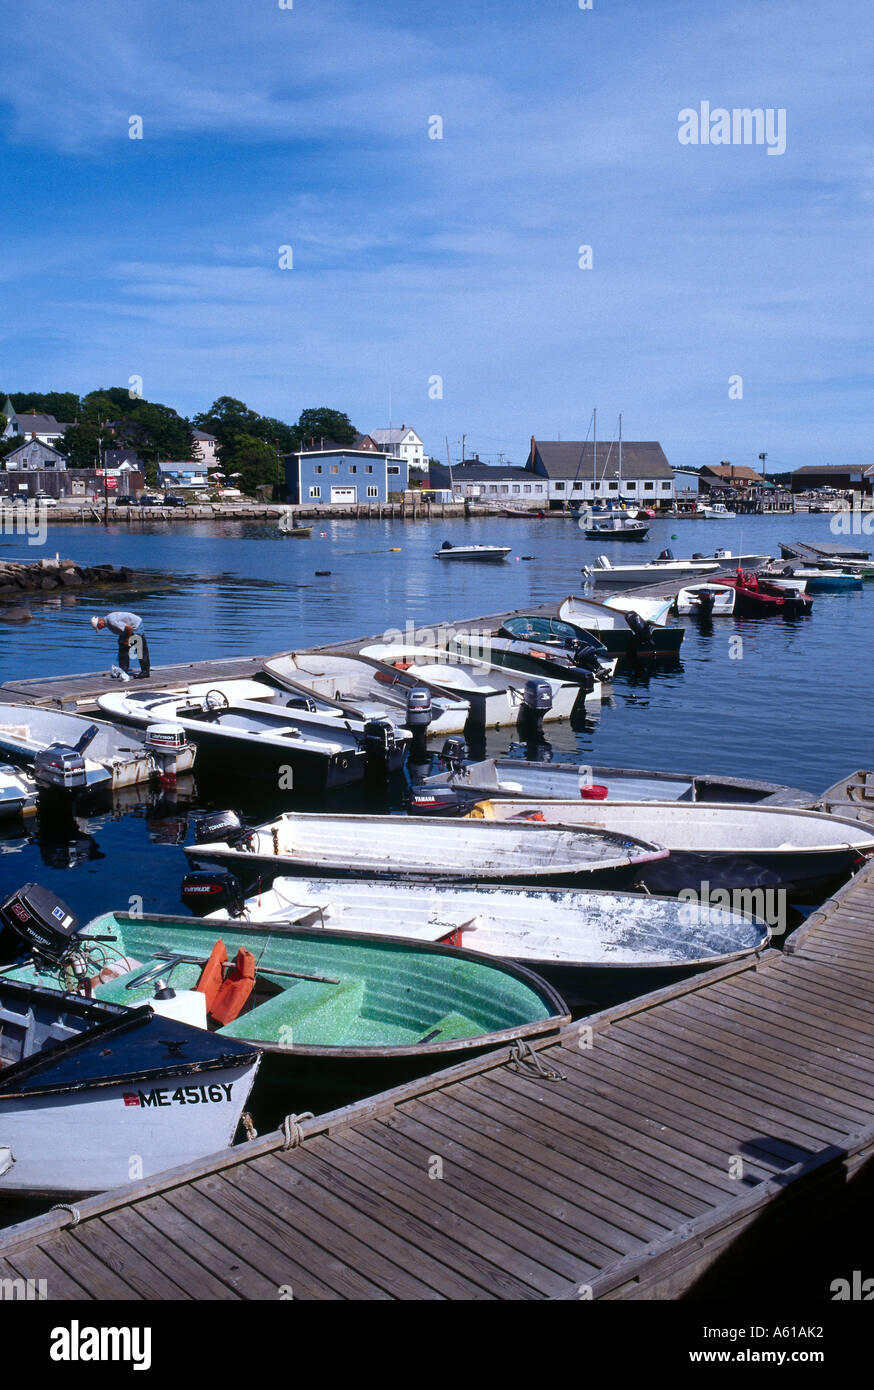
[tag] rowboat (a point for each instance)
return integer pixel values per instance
(852, 796)
(349, 846)
(455, 785)
(585, 664)
(629, 627)
(337, 1016)
(362, 689)
(264, 732)
(664, 567)
(594, 948)
(94, 1093)
(286, 527)
(493, 554)
(726, 846)
(496, 697)
(825, 581)
(70, 752)
(18, 792)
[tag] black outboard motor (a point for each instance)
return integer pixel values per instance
(443, 801)
(42, 921)
(642, 643)
(666, 555)
(381, 747)
(205, 890)
(454, 753)
(536, 702)
(219, 825)
(704, 601)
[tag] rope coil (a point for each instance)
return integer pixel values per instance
(74, 1211)
(523, 1058)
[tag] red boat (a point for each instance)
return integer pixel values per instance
(755, 597)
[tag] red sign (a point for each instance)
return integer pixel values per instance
(110, 484)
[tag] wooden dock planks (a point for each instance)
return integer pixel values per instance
(676, 1124)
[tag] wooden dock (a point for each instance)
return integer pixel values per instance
(629, 1158)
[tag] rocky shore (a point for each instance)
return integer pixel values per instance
(43, 576)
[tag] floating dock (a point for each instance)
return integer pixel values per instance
(637, 1155)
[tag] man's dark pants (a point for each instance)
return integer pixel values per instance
(140, 648)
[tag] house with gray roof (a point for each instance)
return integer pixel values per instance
(579, 471)
(29, 425)
(401, 444)
(33, 455)
(485, 482)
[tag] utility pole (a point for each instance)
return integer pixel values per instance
(463, 437)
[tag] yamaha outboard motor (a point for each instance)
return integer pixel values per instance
(42, 921)
(219, 825)
(205, 890)
(381, 748)
(443, 801)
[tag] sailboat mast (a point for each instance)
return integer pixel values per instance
(594, 450)
(620, 456)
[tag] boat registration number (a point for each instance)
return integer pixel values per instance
(183, 1095)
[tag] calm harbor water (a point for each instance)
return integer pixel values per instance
(792, 706)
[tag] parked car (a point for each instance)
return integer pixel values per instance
(46, 499)
(148, 501)
(125, 501)
(172, 500)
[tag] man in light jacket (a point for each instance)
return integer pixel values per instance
(128, 627)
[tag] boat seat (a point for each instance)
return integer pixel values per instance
(308, 1010)
(234, 989)
(212, 974)
(450, 1025)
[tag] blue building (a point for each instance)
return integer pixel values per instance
(343, 475)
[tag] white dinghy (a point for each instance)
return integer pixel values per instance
(360, 689)
(496, 695)
(592, 947)
(724, 846)
(71, 752)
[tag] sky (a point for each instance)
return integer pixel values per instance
(437, 282)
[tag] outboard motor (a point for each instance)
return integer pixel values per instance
(704, 601)
(205, 890)
(666, 555)
(380, 747)
(42, 921)
(165, 742)
(443, 801)
(60, 767)
(642, 634)
(536, 701)
(454, 753)
(419, 712)
(219, 825)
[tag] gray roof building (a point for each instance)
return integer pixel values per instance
(567, 458)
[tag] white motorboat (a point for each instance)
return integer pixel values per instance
(71, 752)
(593, 616)
(717, 512)
(421, 847)
(664, 567)
(360, 689)
(265, 732)
(490, 553)
(496, 695)
(706, 600)
(724, 846)
(593, 947)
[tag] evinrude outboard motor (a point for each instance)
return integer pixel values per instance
(536, 702)
(205, 890)
(61, 766)
(381, 747)
(42, 921)
(219, 825)
(642, 643)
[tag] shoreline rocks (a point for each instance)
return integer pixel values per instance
(47, 576)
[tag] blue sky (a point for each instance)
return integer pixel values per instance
(413, 257)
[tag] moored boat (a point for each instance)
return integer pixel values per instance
(587, 662)
(617, 528)
(349, 846)
(70, 752)
(594, 948)
(663, 567)
(493, 554)
(362, 689)
(18, 792)
(706, 601)
(756, 598)
(726, 846)
(336, 1015)
(633, 628)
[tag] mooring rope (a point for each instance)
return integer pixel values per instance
(74, 1212)
(524, 1058)
(291, 1130)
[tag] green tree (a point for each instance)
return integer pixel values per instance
(81, 443)
(321, 422)
(254, 458)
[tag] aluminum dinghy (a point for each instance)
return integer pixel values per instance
(594, 948)
(724, 846)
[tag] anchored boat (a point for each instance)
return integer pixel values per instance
(626, 635)
(725, 846)
(583, 664)
(363, 689)
(617, 528)
(664, 567)
(349, 846)
(595, 948)
(493, 554)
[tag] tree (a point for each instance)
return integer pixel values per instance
(80, 445)
(323, 423)
(251, 456)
